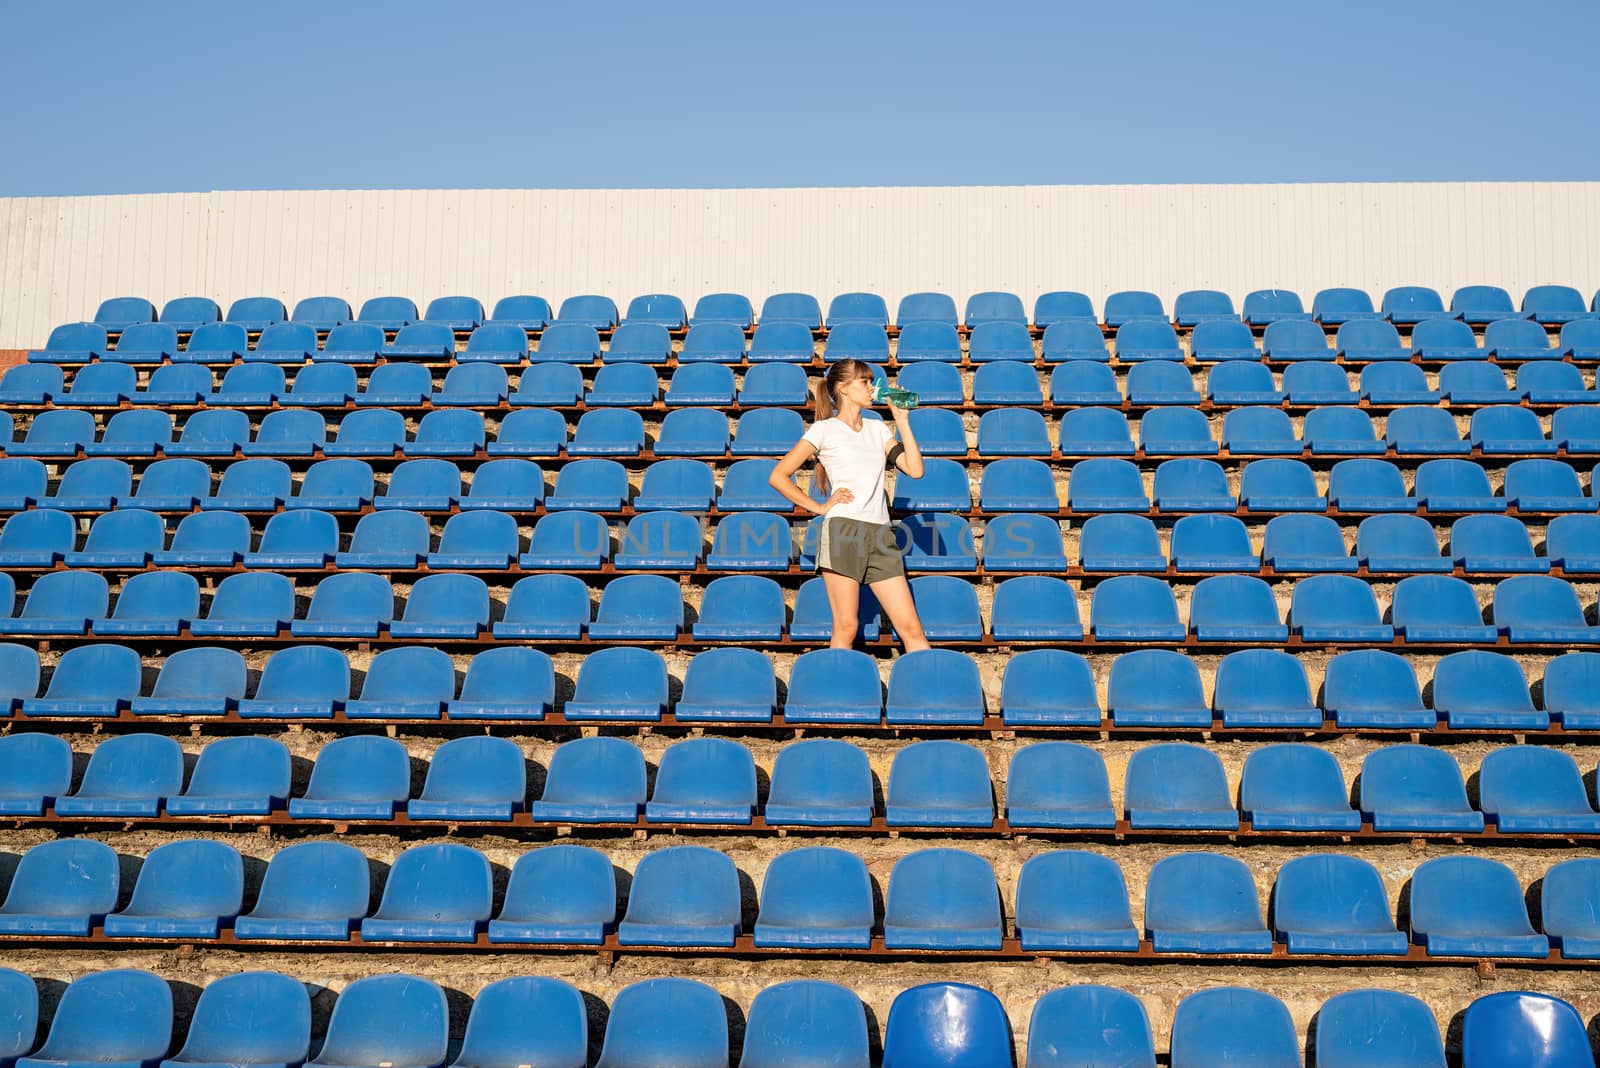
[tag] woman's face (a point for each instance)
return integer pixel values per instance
(859, 390)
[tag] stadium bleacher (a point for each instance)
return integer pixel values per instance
(1263, 635)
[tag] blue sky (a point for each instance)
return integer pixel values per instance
(117, 97)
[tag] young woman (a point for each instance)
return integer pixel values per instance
(856, 546)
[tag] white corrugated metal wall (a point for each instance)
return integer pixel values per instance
(60, 256)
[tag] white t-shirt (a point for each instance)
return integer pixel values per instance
(855, 460)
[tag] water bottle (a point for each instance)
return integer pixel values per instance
(893, 395)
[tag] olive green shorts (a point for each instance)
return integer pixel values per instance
(866, 552)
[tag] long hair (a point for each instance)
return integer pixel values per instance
(824, 393)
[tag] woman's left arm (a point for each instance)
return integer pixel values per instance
(906, 454)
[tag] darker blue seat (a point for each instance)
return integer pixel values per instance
(361, 777)
(61, 887)
(185, 889)
(819, 782)
(832, 685)
(565, 894)
(129, 776)
(1048, 686)
(682, 896)
(301, 682)
(674, 1018)
(704, 780)
(119, 1017)
(939, 1024)
(729, 684)
(1135, 608)
(1415, 788)
(1175, 785)
(941, 899)
(1521, 1028)
(435, 893)
(1333, 904)
(1336, 608)
(593, 780)
(472, 779)
(1058, 785)
(234, 776)
(939, 784)
(393, 1019)
(1295, 787)
(1471, 906)
(1204, 903)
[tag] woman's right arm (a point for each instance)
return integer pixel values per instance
(782, 480)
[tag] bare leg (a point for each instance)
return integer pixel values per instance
(894, 597)
(844, 602)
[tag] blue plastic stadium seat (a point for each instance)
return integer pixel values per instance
(1471, 906)
(260, 1018)
(435, 893)
(682, 896)
(323, 386)
(1035, 608)
(234, 776)
(301, 682)
(508, 485)
(36, 768)
(639, 608)
(638, 342)
(129, 776)
(1482, 690)
(728, 684)
(1369, 340)
(288, 433)
(678, 1021)
(321, 313)
(1373, 688)
(1233, 1026)
(774, 384)
(1329, 903)
(1368, 486)
(1294, 787)
(856, 340)
(1410, 305)
(1219, 340)
(1336, 608)
(819, 782)
(1120, 543)
(939, 784)
(1062, 306)
(1083, 432)
(1135, 608)
(941, 1025)
(1571, 890)
(1295, 342)
(472, 779)
(209, 433)
(1161, 382)
(118, 313)
(61, 887)
(473, 541)
(820, 1022)
(31, 384)
(1072, 901)
(700, 384)
(1106, 485)
(620, 683)
(1415, 788)
(1199, 306)
(1145, 339)
(399, 1020)
(197, 681)
(1212, 543)
(354, 778)
(248, 606)
(992, 307)
(61, 602)
(1048, 686)
(781, 341)
(931, 344)
(186, 314)
(740, 608)
(704, 780)
(74, 344)
(1058, 785)
(510, 683)
(1243, 382)
(408, 682)
(745, 488)
(1331, 307)
(1423, 432)
(1075, 341)
(941, 899)
(939, 541)
(296, 540)
(444, 606)
(562, 894)
(1263, 307)
(461, 314)
(529, 432)
(1174, 785)
(1476, 383)
(1233, 608)
(1016, 485)
(1263, 688)
(56, 433)
(661, 540)
(1176, 432)
(214, 344)
(943, 485)
(549, 384)
(1545, 486)
(832, 685)
(856, 307)
(1572, 689)
(1341, 431)
(1455, 486)
(145, 343)
(1259, 432)
(343, 485)
(420, 341)
(694, 432)
(948, 608)
(1132, 305)
(935, 686)
(136, 433)
(1204, 903)
(992, 341)
(1552, 305)
(1396, 383)
(1006, 382)
(522, 311)
(713, 342)
(498, 342)
(353, 605)
(1319, 383)
(1403, 543)
(940, 432)
(1494, 543)
(497, 1038)
(1571, 544)
(568, 342)
(119, 1018)
(1279, 486)
(1579, 340)
(1507, 429)
(1439, 609)
(593, 780)
(1534, 790)
(1482, 304)
(1087, 1024)
(1081, 382)
(1550, 383)
(766, 432)
(89, 680)
(37, 538)
(575, 540)
(291, 343)
(920, 308)
(185, 889)
(1522, 1028)
(1537, 608)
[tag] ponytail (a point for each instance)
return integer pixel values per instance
(821, 400)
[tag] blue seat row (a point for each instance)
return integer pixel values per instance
(126, 1016)
(938, 899)
(1324, 609)
(1362, 689)
(1057, 785)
